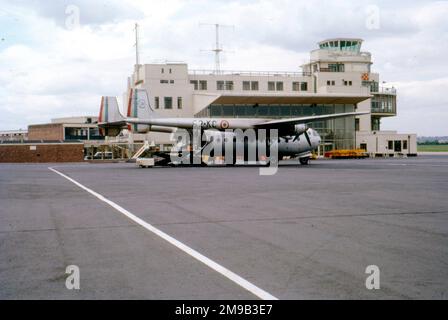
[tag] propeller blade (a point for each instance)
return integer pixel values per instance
(307, 138)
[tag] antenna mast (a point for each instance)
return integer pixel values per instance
(137, 58)
(218, 48)
(137, 55)
(217, 51)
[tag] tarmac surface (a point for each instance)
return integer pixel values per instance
(308, 232)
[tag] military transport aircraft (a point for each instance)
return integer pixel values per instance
(295, 138)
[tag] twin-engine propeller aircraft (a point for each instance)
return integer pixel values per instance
(295, 138)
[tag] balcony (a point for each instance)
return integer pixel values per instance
(359, 90)
(340, 56)
(384, 106)
(385, 112)
(384, 101)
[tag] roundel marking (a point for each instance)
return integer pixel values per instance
(224, 124)
(141, 103)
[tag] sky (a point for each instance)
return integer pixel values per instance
(57, 58)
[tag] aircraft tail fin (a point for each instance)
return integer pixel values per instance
(139, 107)
(110, 119)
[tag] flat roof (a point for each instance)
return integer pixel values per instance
(290, 99)
(13, 131)
(65, 125)
(38, 142)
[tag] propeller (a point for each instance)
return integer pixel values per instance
(296, 137)
(307, 137)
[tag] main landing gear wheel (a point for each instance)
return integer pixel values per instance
(304, 161)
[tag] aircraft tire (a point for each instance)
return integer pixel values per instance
(304, 161)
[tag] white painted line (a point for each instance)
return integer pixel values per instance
(416, 165)
(210, 263)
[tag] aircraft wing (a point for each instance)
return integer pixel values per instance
(292, 121)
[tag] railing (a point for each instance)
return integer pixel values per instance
(249, 73)
(384, 90)
(345, 89)
(384, 110)
(329, 70)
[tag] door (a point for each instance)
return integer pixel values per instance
(397, 145)
(363, 146)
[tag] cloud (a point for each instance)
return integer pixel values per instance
(422, 107)
(91, 12)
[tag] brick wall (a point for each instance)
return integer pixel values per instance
(42, 152)
(46, 132)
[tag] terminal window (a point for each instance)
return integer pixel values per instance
(271, 86)
(202, 85)
(304, 86)
(195, 84)
(250, 85)
(295, 86)
(179, 102)
(229, 85)
(168, 103)
(279, 86)
(336, 67)
(156, 102)
(220, 85)
(390, 145)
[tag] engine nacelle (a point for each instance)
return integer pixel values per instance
(300, 128)
(110, 131)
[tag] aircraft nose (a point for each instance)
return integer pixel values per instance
(317, 139)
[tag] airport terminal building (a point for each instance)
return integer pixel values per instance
(338, 78)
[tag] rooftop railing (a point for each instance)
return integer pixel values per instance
(249, 73)
(385, 90)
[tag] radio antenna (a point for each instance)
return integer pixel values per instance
(218, 48)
